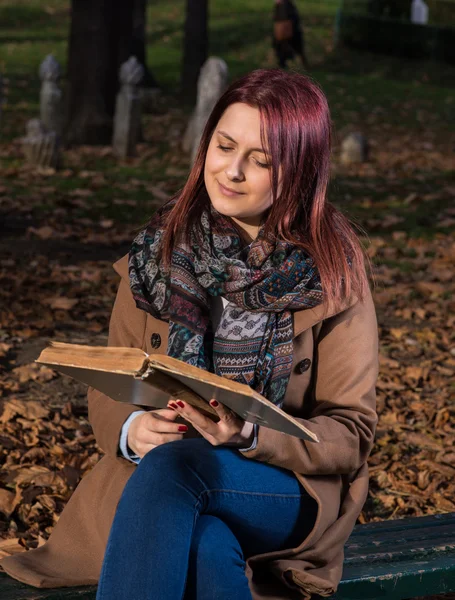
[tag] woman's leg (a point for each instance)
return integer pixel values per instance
(298, 44)
(280, 54)
(148, 551)
(216, 566)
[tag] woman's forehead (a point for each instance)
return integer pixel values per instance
(241, 123)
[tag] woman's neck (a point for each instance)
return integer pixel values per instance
(248, 232)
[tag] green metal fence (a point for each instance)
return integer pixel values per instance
(385, 26)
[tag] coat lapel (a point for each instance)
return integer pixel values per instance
(309, 317)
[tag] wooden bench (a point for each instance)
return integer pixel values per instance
(389, 559)
(400, 559)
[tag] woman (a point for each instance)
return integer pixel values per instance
(250, 273)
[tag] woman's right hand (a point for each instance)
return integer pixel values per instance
(153, 428)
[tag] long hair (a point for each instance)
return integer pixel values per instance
(296, 130)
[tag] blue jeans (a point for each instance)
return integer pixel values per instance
(190, 515)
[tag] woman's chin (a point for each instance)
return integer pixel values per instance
(226, 207)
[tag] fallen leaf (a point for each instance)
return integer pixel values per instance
(414, 372)
(430, 287)
(443, 503)
(80, 193)
(398, 333)
(44, 233)
(8, 502)
(29, 409)
(61, 303)
(9, 547)
(106, 223)
(422, 441)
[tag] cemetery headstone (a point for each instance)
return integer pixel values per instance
(419, 12)
(354, 149)
(41, 147)
(127, 118)
(51, 113)
(212, 82)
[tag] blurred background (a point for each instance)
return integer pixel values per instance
(86, 157)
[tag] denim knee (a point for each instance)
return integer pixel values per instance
(164, 460)
(174, 462)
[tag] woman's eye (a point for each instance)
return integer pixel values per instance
(262, 165)
(224, 148)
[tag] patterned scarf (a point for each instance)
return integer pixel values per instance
(262, 282)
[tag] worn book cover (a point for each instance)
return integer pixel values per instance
(149, 380)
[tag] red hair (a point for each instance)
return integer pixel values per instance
(296, 130)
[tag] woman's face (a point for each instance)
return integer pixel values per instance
(237, 171)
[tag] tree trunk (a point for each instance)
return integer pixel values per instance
(195, 46)
(139, 41)
(100, 41)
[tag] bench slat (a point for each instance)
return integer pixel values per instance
(416, 535)
(397, 555)
(406, 524)
(425, 544)
(405, 579)
(10, 589)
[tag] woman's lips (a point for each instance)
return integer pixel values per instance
(227, 192)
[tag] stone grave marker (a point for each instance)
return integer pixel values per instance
(212, 82)
(51, 111)
(127, 118)
(354, 149)
(41, 147)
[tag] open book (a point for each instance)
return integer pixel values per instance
(130, 375)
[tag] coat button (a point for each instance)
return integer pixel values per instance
(155, 340)
(303, 365)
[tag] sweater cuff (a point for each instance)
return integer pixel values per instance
(266, 444)
(123, 445)
(254, 442)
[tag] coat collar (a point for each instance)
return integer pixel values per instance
(303, 319)
(309, 317)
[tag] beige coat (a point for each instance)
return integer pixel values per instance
(336, 395)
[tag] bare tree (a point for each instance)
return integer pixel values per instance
(195, 46)
(103, 35)
(139, 41)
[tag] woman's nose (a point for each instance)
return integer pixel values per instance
(234, 171)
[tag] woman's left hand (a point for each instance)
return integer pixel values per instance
(230, 430)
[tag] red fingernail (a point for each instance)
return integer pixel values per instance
(172, 405)
(213, 402)
(183, 428)
(180, 403)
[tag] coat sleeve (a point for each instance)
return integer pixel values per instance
(344, 400)
(126, 329)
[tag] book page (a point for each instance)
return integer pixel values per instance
(130, 361)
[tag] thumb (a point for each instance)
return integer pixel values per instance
(166, 413)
